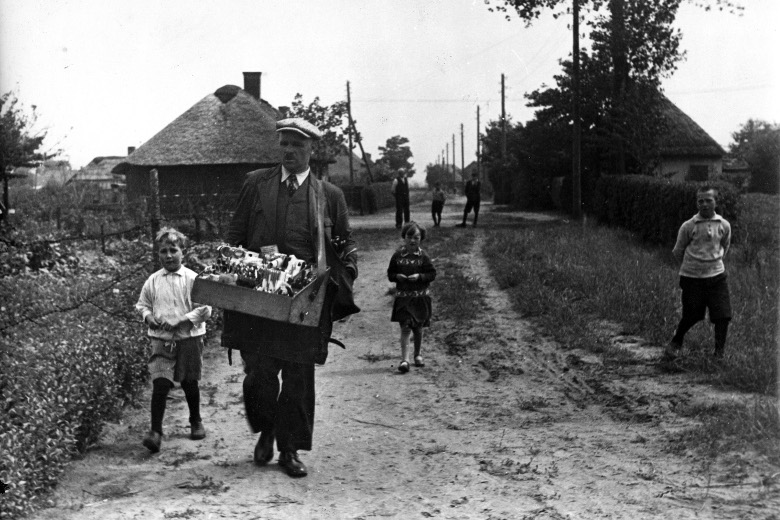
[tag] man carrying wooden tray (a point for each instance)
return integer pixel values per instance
(278, 206)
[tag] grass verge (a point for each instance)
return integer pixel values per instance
(569, 278)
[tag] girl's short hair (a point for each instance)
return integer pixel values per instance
(169, 234)
(410, 226)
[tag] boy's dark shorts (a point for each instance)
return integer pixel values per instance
(699, 294)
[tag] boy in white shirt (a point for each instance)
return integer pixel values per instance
(176, 330)
(702, 242)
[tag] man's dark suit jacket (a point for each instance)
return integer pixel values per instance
(253, 225)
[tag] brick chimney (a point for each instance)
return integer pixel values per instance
(284, 111)
(252, 83)
(130, 149)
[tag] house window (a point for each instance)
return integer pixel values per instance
(697, 172)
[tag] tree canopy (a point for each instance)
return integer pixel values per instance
(757, 143)
(332, 121)
(20, 143)
(396, 156)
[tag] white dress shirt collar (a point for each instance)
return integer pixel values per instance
(177, 271)
(301, 176)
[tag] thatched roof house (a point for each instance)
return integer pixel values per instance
(338, 169)
(687, 151)
(98, 180)
(208, 149)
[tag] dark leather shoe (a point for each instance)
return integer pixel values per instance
(152, 441)
(292, 464)
(264, 449)
(197, 431)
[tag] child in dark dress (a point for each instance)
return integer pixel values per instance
(412, 271)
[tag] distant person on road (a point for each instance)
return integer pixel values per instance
(437, 204)
(176, 329)
(412, 271)
(400, 189)
(473, 195)
(702, 243)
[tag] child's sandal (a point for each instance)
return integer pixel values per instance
(403, 367)
(418, 361)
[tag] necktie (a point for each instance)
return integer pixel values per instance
(292, 184)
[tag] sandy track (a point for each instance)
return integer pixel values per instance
(514, 428)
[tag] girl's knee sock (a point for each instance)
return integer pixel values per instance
(160, 389)
(418, 335)
(192, 394)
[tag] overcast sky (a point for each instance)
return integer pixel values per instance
(108, 74)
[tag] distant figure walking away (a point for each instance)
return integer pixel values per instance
(702, 243)
(412, 271)
(176, 329)
(473, 196)
(400, 189)
(437, 204)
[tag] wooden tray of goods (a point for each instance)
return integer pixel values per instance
(267, 284)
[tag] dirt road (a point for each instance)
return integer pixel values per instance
(514, 429)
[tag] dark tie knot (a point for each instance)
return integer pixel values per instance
(292, 184)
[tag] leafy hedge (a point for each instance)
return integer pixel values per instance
(655, 208)
(66, 366)
(369, 198)
(56, 398)
(73, 352)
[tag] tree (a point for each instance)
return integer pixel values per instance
(20, 143)
(633, 46)
(332, 121)
(396, 156)
(758, 144)
(437, 173)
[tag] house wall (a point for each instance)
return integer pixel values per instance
(678, 168)
(189, 180)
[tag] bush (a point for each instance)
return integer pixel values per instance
(65, 369)
(656, 208)
(379, 195)
(56, 398)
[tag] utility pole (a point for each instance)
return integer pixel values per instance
(479, 158)
(155, 216)
(503, 118)
(362, 151)
(349, 118)
(462, 158)
(454, 161)
(447, 157)
(576, 158)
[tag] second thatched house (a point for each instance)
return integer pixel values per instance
(97, 182)
(207, 150)
(687, 151)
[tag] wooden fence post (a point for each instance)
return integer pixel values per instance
(154, 211)
(103, 238)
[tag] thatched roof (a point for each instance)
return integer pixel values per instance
(229, 126)
(683, 137)
(99, 169)
(340, 165)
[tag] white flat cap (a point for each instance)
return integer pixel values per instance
(299, 126)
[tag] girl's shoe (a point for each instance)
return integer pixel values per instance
(418, 361)
(403, 367)
(152, 441)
